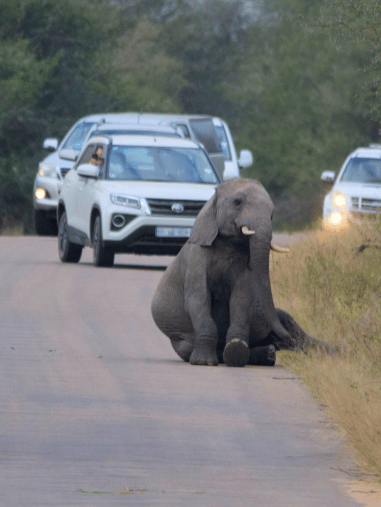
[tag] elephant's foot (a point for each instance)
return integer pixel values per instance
(236, 353)
(203, 357)
(263, 356)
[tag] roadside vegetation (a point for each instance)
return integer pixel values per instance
(12, 230)
(331, 284)
(297, 80)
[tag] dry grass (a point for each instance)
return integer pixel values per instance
(12, 230)
(334, 292)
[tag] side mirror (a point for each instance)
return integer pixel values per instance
(328, 176)
(88, 171)
(245, 159)
(50, 144)
(68, 155)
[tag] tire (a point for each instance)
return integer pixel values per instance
(102, 256)
(43, 225)
(67, 251)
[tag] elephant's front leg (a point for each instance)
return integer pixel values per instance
(206, 335)
(236, 351)
(198, 307)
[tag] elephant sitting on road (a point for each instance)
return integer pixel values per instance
(214, 301)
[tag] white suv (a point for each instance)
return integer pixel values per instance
(356, 193)
(133, 194)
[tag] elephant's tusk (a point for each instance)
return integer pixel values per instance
(278, 249)
(246, 231)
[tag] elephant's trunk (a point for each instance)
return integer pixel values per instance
(265, 313)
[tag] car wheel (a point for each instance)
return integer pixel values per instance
(43, 225)
(103, 257)
(67, 251)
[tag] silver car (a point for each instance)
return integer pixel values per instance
(356, 193)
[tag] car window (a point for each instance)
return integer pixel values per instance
(77, 136)
(86, 155)
(223, 141)
(205, 132)
(183, 128)
(160, 164)
(362, 170)
(94, 154)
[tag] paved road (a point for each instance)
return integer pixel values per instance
(97, 410)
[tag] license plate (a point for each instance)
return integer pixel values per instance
(173, 232)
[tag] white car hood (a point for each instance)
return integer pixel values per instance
(364, 190)
(161, 190)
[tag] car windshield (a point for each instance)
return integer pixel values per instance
(77, 137)
(160, 164)
(362, 170)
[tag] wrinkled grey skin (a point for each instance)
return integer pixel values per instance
(214, 301)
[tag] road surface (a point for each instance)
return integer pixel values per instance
(97, 409)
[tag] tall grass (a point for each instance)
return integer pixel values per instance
(331, 284)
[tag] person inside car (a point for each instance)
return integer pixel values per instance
(97, 157)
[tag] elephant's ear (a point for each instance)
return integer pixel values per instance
(205, 228)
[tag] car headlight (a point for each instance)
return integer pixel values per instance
(337, 218)
(340, 200)
(47, 170)
(126, 200)
(40, 193)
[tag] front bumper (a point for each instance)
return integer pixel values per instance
(139, 235)
(358, 208)
(52, 188)
(338, 219)
(145, 241)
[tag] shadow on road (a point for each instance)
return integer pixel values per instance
(141, 266)
(144, 267)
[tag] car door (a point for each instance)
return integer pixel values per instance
(204, 131)
(87, 187)
(83, 190)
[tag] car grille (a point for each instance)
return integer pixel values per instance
(168, 207)
(366, 205)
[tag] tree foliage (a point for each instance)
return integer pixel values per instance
(297, 80)
(137, 73)
(360, 23)
(299, 94)
(209, 41)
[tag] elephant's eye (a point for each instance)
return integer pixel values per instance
(237, 202)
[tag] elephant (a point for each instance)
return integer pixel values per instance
(214, 301)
